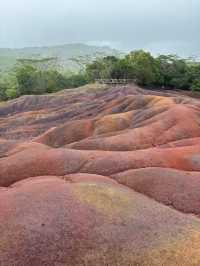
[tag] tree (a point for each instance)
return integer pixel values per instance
(53, 81)
(7, 93)
(76, 80)
(121, 69)
(196, 85)
(27, 80)
(174, 71)
(11, 93)
(30, 80)
(142, 67)
(48, 63)
(3, 96)
(102, 68)
(93, 71)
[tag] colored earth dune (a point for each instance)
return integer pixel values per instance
(100, 176)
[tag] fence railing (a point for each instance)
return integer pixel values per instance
(115, 81)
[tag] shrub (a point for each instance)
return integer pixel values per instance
(11, 93)
(196, 85)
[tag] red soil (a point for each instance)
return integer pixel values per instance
(100, 177)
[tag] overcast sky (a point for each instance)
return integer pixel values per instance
(156, 25)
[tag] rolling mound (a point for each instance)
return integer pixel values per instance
(100, 176)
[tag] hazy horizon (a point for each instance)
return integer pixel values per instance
(154, 25)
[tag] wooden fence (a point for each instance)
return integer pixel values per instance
(115, 81)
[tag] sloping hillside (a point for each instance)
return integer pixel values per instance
(100, 176)
(63, 53)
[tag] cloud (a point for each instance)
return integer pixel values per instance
(128, 24)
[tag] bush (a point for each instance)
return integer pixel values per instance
(196, 85)
(142, 67)
(30, 80)
(53, 81)
(3, 96)
(76, 80)
(102, 68)
(11, 93)
(174, 71)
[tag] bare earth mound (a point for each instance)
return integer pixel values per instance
(100, 176)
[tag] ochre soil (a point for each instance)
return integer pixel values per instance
(100, 176)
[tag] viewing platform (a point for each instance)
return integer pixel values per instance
(115, 81)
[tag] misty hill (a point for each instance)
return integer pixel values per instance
(63, 55)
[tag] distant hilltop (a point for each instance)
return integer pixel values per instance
(65, 55)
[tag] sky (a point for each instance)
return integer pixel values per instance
(161, 26)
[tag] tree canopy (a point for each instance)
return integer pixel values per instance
(165, 71)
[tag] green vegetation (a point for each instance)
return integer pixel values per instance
(39, 70)
(166, 71)
(31, 80)
(62, 57)
(39, 76)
